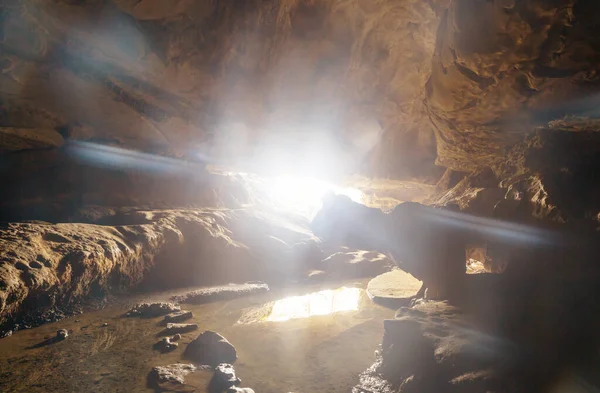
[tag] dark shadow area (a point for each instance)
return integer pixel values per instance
(47, 342)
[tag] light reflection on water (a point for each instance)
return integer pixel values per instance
(314, 304)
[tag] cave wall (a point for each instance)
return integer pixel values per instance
(387, 88)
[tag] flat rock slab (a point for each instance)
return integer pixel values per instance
(393, 288)
(171, 378)
(211, 349)
(355, 264)
(151, 310)
(173, 328)
(178, 316)
(223, 292)
(235, 389)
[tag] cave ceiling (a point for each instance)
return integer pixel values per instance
(389, 87)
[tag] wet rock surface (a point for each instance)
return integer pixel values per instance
(166, 345)
(223, 378)
(211, 349)
(152, 310)
(434, 347)
(172, 377)
(178, 316)
(173, 328)
(224, 292)
(235, 389)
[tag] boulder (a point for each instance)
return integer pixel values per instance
(172, 377)
(223, 378)
(433, 347)
(211, 349)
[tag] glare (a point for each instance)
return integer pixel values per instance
(305, 193)
(318, 303)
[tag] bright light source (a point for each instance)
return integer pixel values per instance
(305, 193)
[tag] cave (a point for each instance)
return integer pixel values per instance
(366, 196)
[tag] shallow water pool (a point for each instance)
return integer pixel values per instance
(302, 351)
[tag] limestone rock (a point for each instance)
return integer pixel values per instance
(393, 288)
(224, 378)
(235, 389)
(58, 265)
(444, 348)
(166, 345)
(212, 349)
(355, 264)
(151, 310)
(172, 377)
(178, 316)
(224, 292)
(62, 334)
(173, 328)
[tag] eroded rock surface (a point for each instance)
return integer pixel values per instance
(151, 310)
(43, 266)
(355, 264)
(174, 328)
(224, 378)
(166, 345)
(171, 378)
(225, 292)
(434, 347)
(178, 316)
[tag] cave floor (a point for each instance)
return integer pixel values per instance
(319, 353)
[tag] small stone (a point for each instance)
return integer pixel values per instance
(176, 337)
(223, 378)
(165, 345)
(62, 334)
(212, 349)
(105, 324)
(235, 389)
(171, 377)
(150, 310)
(180, 327)
(178, 316)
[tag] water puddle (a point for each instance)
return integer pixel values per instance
(311, 340)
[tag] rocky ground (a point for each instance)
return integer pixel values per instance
(48, 267)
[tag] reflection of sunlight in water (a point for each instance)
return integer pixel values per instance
(318, 303)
